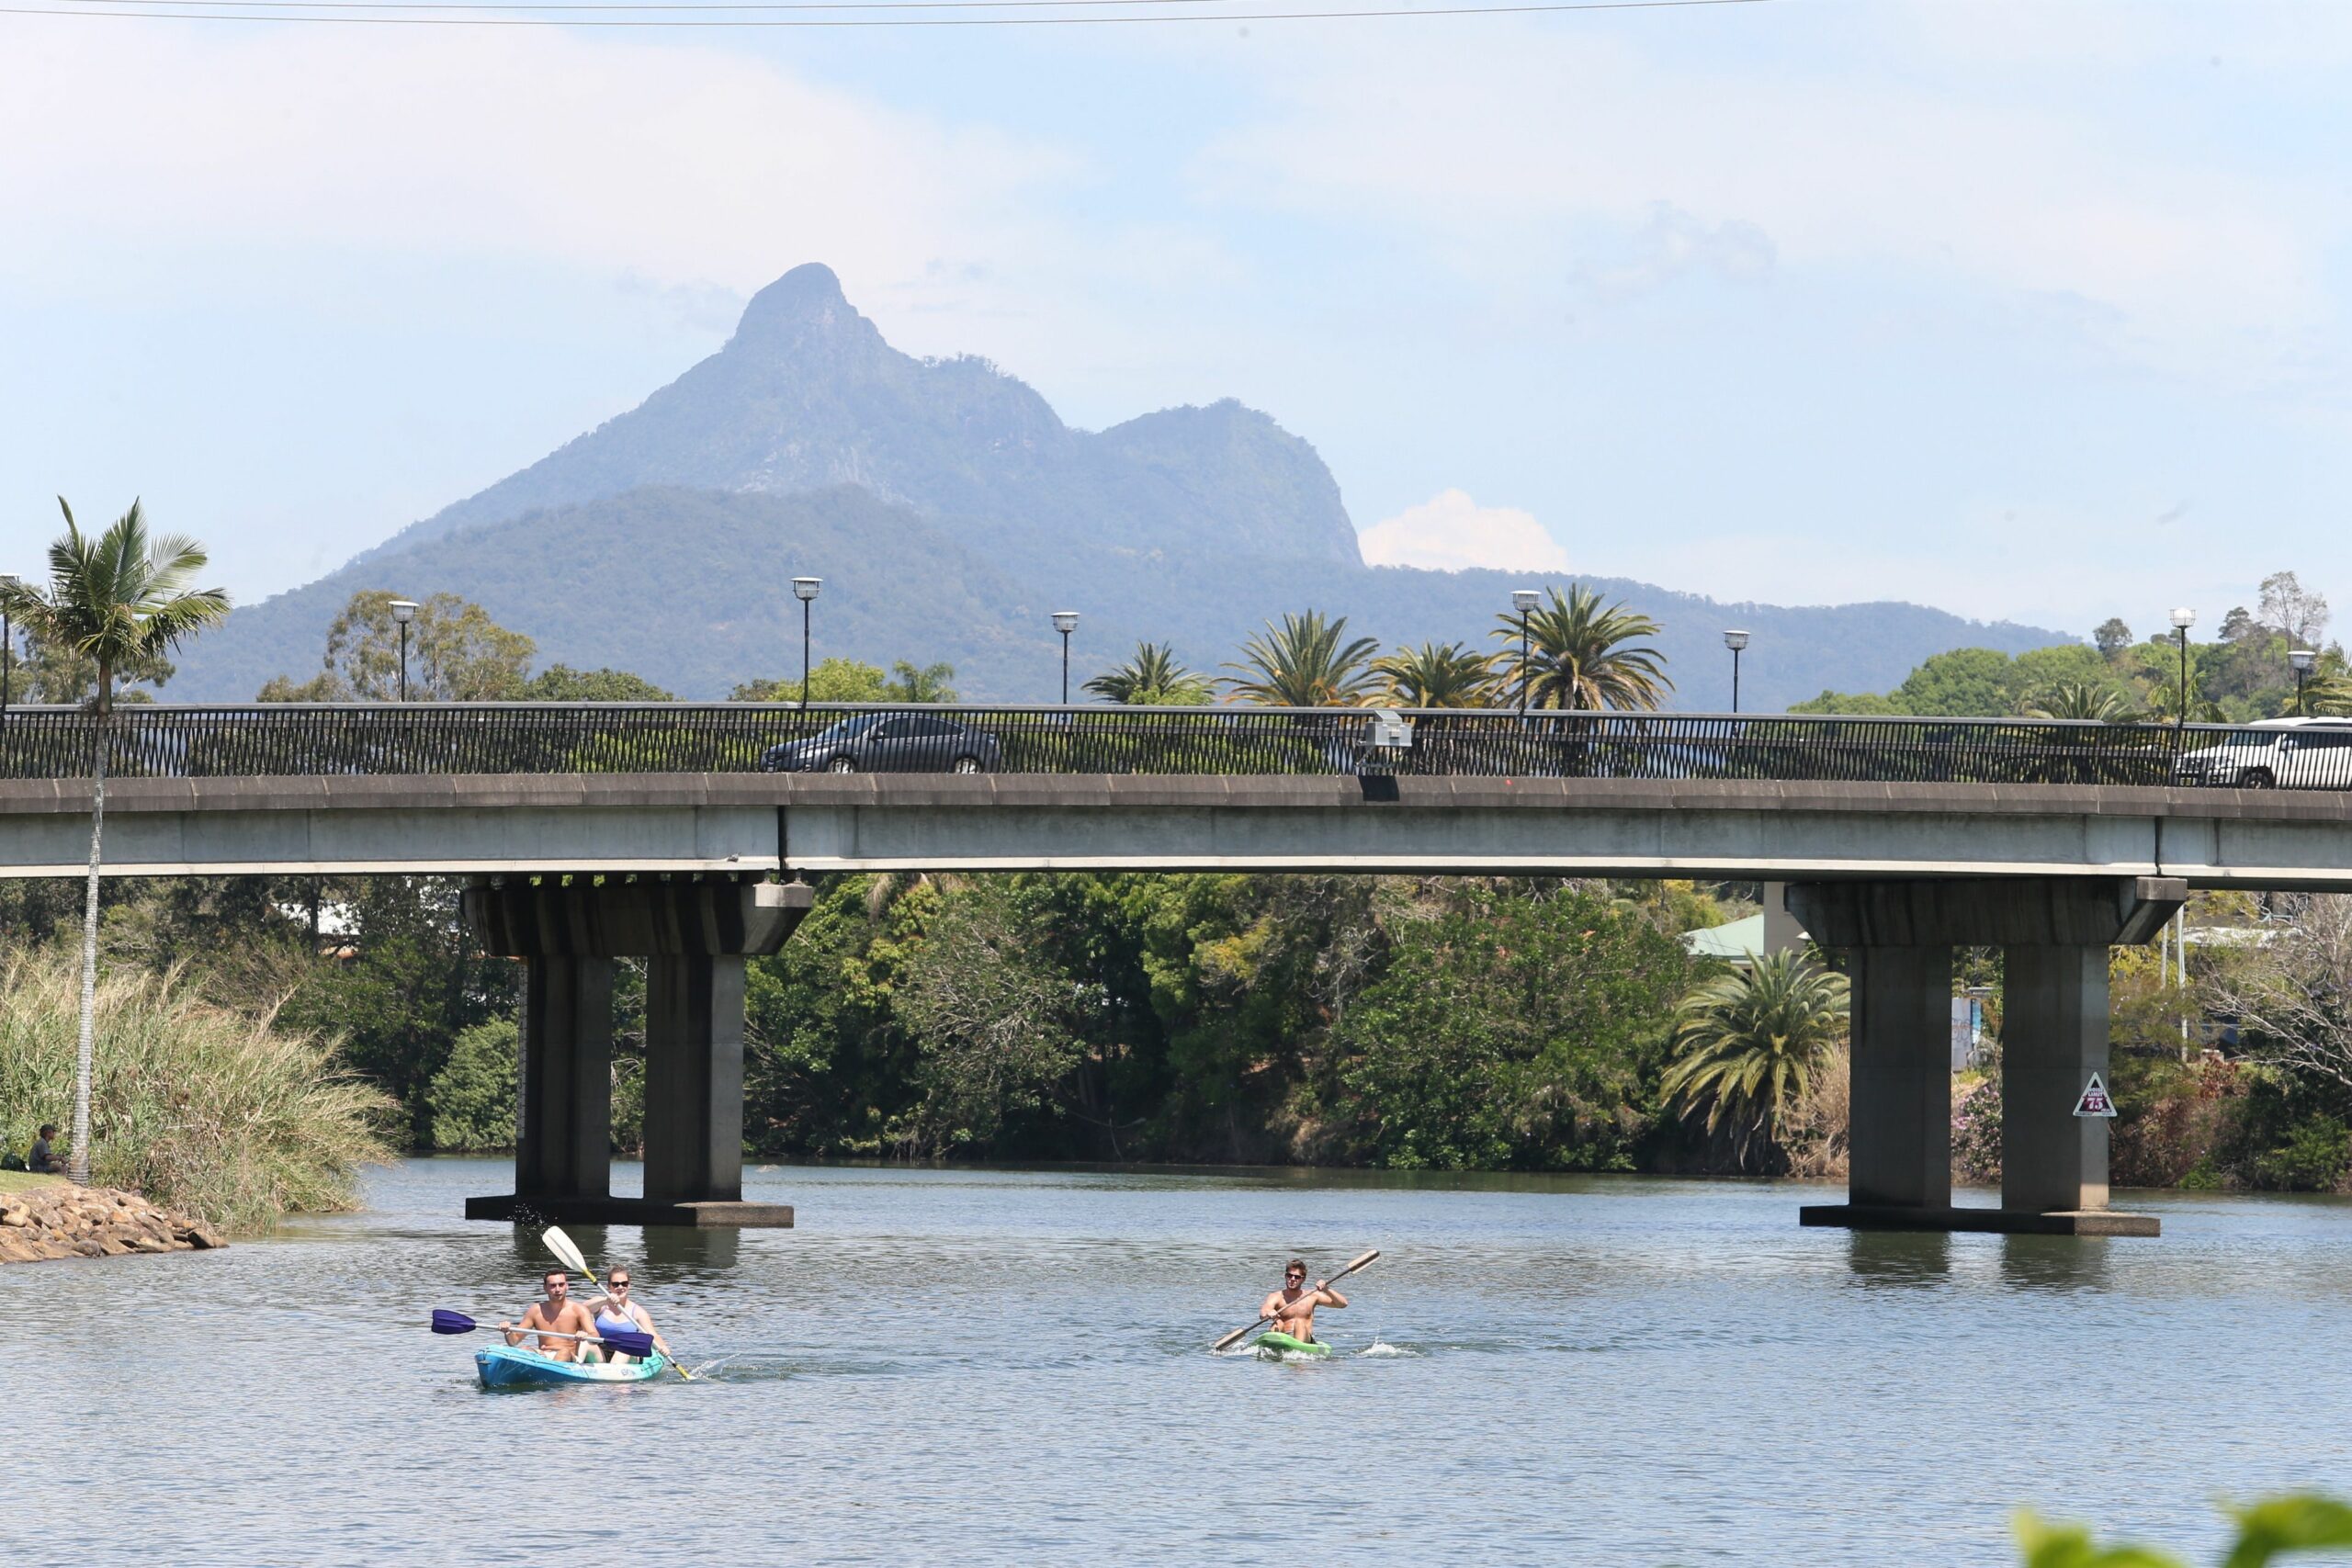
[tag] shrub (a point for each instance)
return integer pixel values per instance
(472, 1098)
(2311, 1159)
(1976, 1133)
(224, 1116)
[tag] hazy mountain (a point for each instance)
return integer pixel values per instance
(949, 509)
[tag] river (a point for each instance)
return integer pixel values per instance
(1010, 1367)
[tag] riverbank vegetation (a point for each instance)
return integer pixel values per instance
(223, 1113)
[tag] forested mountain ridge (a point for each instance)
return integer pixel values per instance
(949, 509)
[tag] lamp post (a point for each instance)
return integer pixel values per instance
(1734, 639)
(805, 590)
(8, 582)
(2302, 659)
(404, 612)
(2182, 620)
(1523, 600)
(1065, 622)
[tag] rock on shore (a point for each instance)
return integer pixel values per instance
(65, 1220)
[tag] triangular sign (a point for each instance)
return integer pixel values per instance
(2094, 1100)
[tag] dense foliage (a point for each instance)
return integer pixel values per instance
(2243, 673)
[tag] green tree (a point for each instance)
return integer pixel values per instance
(1515, 1030)
(471, 1099)
(562, 683)
(1437, 675)
(1579, 655)
(1749, 1042)
(2112, 638)
(1303, 663)
(1861, 705)
(834, 679)
(115, 600)
(1151, 677)
(456, 654)
(1967, 683)
(928, 683)
(2082, 699)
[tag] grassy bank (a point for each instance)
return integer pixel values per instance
(222, 1116)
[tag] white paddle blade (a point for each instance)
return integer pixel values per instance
(565, 1253)
(1359, 1263)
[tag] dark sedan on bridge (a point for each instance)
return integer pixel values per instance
(889, 743)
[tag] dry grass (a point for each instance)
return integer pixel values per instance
(1816, 1141)
(218, 1114)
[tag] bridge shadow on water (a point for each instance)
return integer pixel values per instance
(678, 1252)
(1893, 1260)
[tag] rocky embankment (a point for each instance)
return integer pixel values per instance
(65, 1220)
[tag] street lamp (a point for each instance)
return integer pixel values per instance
(1065, 622)
(404, 612)
(805, 588)
(2302, 659)
(2182, 620)
(1523, 600)
(9, 582)
(1734, 639)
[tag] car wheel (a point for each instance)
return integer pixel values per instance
(965, 765)
(2256, 778)
(841, 765)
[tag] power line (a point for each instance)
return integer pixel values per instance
(314, 14)
(658, 5)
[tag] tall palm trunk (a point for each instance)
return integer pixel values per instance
(78, 1165)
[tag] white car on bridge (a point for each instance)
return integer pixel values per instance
(2275, 753)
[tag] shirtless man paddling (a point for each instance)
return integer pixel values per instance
(556, 1315)
(1292, 1308)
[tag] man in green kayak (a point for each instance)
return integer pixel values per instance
(1292, 1308)
(559, 1314)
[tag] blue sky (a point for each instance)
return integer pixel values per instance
(2022, 311)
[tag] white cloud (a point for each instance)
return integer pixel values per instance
(1506, 153)
(1450, 532)
(674, 165)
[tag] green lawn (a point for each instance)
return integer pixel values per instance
(24, 1181)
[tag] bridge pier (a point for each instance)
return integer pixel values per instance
(695, 934)
(2055, 934)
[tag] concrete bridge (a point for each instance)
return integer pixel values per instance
(649, 832)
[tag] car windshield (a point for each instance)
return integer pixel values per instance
(856, 724)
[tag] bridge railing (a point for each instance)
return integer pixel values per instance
(292, 739)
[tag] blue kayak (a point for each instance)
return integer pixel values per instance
(513, 1366)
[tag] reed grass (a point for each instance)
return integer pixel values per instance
(223, 1115)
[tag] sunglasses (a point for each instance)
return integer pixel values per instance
(617, 1284)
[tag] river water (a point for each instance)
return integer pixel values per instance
(1010, 1367)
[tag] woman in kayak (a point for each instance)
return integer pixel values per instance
(1292, 1308)
(616, 1314)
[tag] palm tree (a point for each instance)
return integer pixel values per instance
(1152, 676)
(1438, 676)
(2083, 699)
(1576, 658)
(1304, 664)
(927, 685)
(119, 600)
(1748, 1042)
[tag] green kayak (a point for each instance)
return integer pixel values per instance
(1276, 1345)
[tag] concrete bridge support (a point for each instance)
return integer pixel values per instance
(694, 933)
(2054, 934)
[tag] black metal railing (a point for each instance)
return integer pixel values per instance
(292, 739)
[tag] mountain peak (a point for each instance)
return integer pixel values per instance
(804, 303)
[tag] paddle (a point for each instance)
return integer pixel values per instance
(627, 1344)
(1244, 1333)
(568, 1253)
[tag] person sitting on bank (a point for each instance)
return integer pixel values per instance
(1292, 1308)
(616, 1313)
(558, 1315)
(43, 1160)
